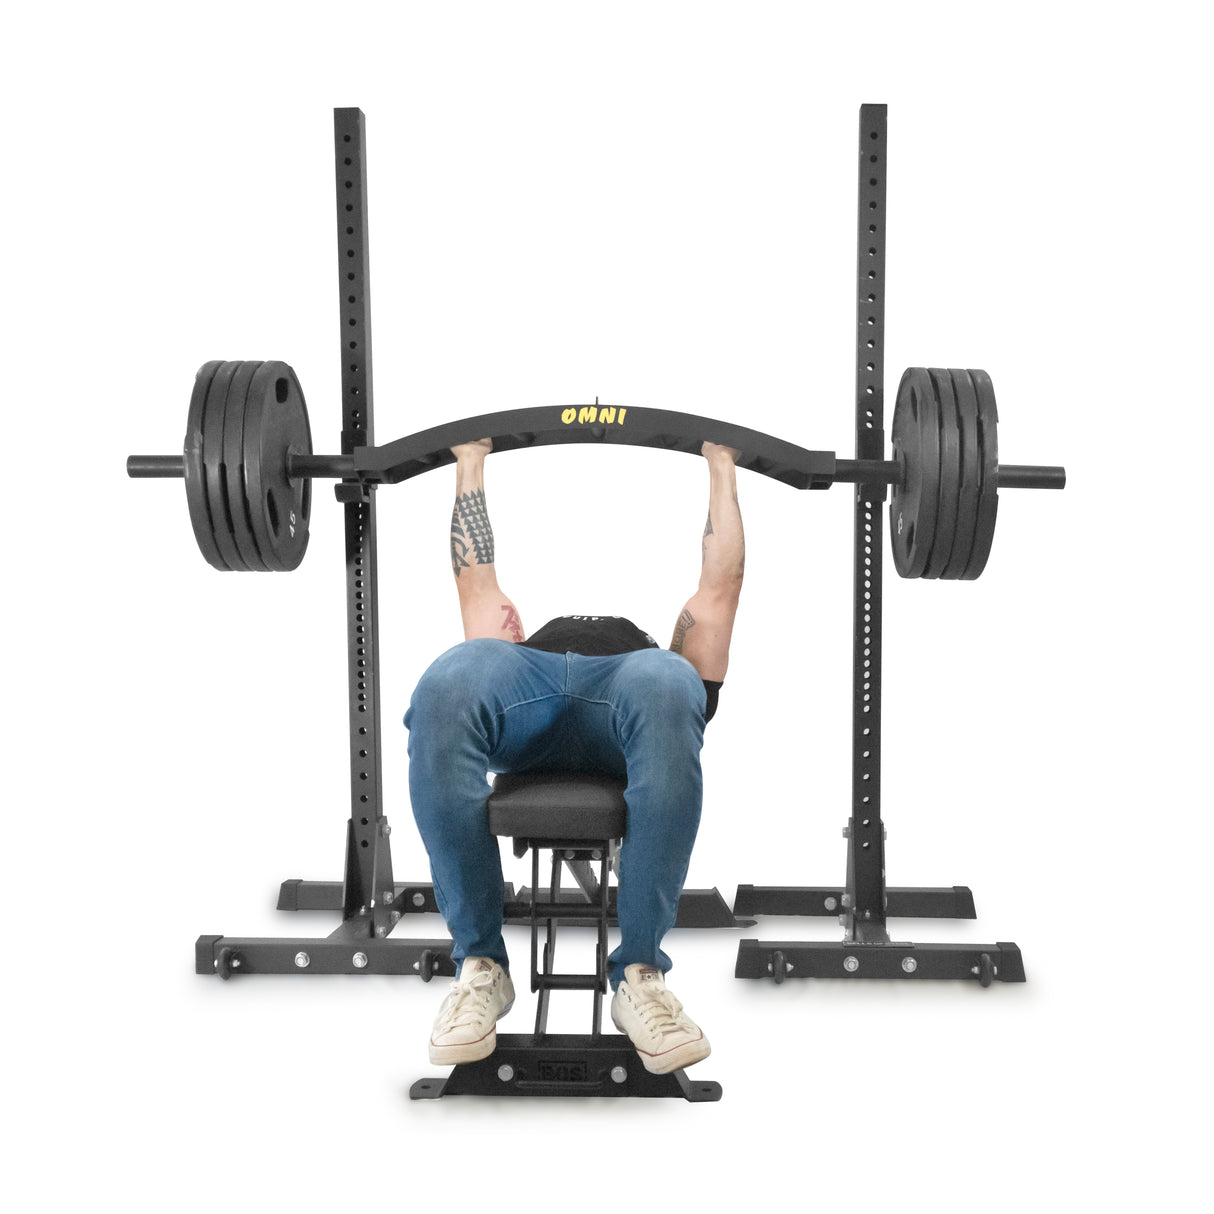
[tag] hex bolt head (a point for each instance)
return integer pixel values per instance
(360, 961)
(847, 832)
(380, 930)
(618, 1074)
(418, 899)
(909, 965)
(302, 960)
(846, 899)
(395, 917)
(851, 964)
(831, 903)
(389, 894)
(505, 1072)
(384, 829)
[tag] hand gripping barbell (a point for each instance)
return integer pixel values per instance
(248, 462)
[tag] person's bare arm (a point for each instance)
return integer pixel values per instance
(486, 611)
(705, 625)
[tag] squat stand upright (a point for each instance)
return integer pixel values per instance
(369, 900)
(864, 903)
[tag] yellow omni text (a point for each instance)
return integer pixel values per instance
(604, 414)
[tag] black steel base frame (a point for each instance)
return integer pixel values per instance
(697, 907)
(355, 948)
(864, 903)
(563, 1065)
(347, 951)
(778, 960)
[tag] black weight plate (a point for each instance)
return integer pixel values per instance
(950, 474)
(916, 442)
(988, 500)
(195, 469)
(233, 465)
(212, 458)
(971, 474)
(276, 426)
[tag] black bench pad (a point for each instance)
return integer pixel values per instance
(545, 806)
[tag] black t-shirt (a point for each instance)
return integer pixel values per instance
(598, 636)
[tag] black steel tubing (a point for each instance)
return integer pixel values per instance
(865, 896)
(868, 471)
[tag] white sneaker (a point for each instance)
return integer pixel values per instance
(465, 1029)
(665, 1037)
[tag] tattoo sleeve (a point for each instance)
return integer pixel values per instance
(685, 621)
(471, 530)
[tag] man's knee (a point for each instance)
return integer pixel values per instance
(456, 682)
(660, 683)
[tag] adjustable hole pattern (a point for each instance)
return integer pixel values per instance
(360, 515)
(866, 679)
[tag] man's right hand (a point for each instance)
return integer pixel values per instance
(478, 449)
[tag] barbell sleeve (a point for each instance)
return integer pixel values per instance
(867, 471)
(1028, 476)
(155, 465)
(337, 466)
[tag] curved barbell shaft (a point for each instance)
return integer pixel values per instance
(665, 429)
(629, 426)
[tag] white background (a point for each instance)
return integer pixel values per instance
(653, 204)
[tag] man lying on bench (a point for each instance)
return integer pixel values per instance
(587, 694)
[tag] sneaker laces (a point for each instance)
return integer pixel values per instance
(467, 1001)
(660, 1013)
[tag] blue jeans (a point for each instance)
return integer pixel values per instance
(490, 705)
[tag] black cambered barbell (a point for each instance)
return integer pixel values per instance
(248, 462)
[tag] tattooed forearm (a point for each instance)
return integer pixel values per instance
(470, 528)
(459, 546)
(685, 621)
(512, 624)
